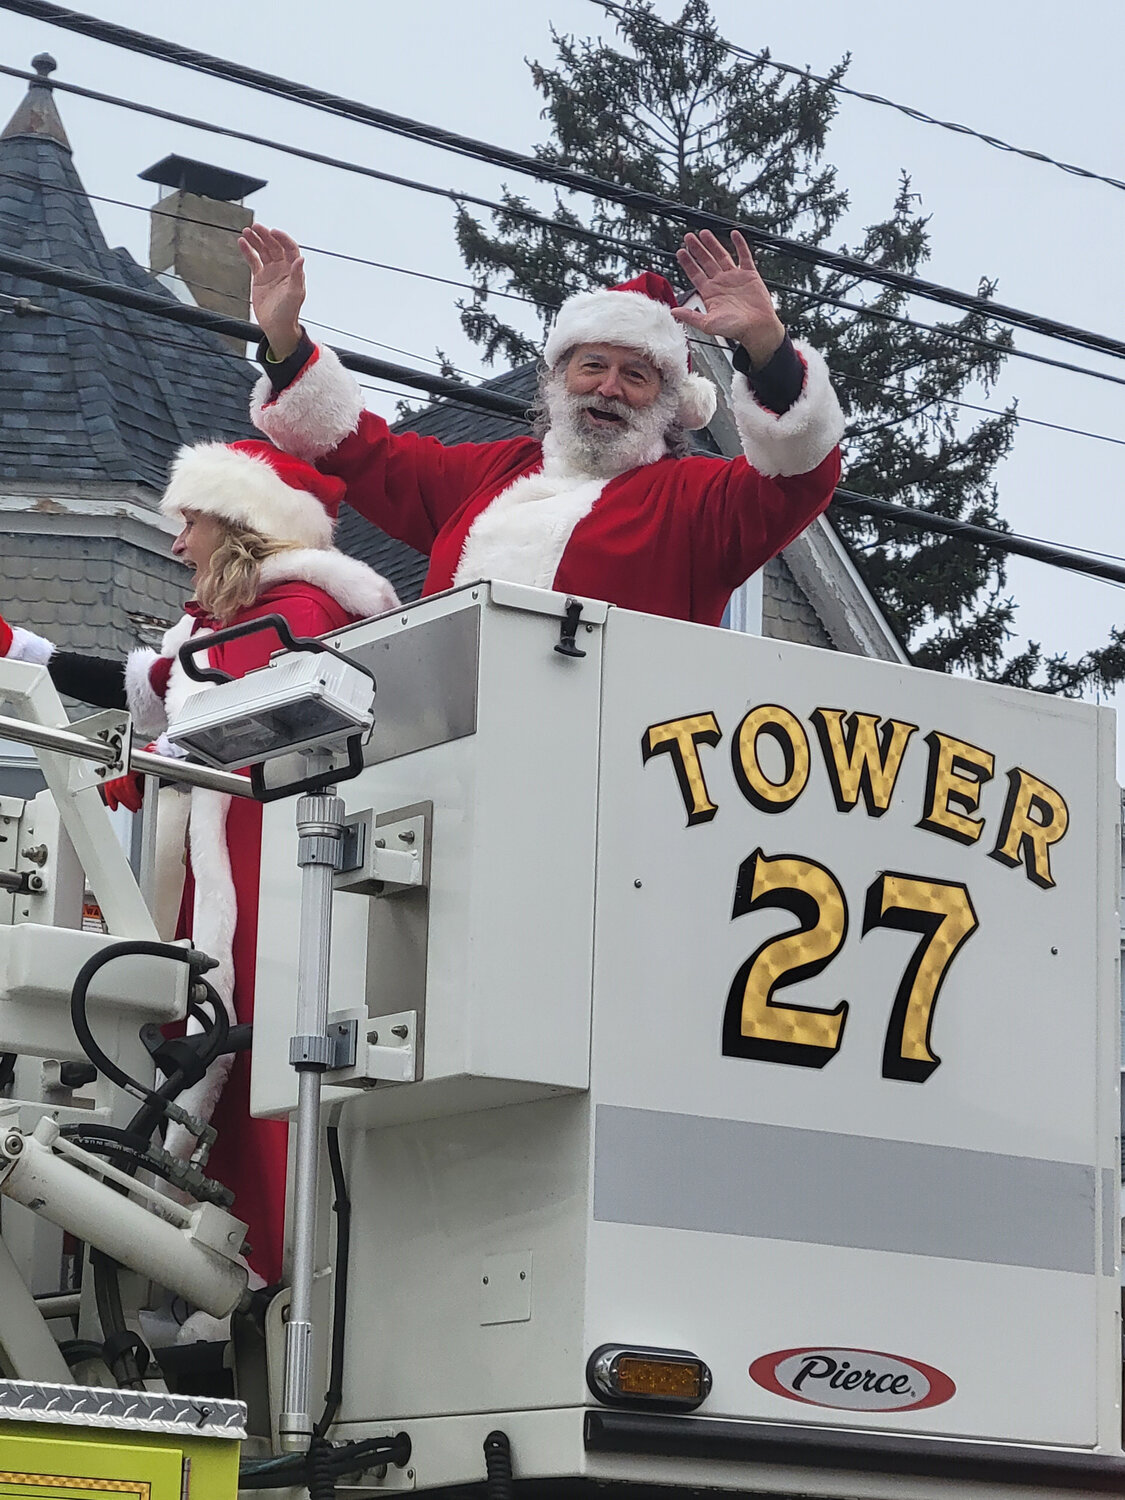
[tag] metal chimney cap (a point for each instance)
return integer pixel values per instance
(201, 178)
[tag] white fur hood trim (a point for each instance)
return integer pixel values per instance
(313, 415)
(354, 586)
(795, 443)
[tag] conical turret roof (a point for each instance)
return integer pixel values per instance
(89, 391)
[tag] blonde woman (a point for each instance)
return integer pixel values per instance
(256, 529)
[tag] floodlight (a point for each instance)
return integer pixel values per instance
(297, 702)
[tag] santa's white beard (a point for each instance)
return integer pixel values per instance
(576, 445)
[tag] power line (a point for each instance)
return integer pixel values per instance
(842, 88)
(781, 286)
(991, 411)
(496, 402)
(554, 226)
(997, 541)
(319, 158)
(239, 328)
(545, 171)
(968, 339)
(359, 260)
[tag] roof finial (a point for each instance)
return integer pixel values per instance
(36, 115)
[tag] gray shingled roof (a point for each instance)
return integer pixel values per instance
(89, 391)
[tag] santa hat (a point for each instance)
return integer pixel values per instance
(637, 315)
(257, 486)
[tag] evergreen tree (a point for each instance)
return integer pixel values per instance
(682, 117)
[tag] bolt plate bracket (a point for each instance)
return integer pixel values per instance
(383, 1048)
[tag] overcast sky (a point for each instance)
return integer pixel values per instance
(1019, 69)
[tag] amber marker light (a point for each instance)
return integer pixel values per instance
(622, 1375)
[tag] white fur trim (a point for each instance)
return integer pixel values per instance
(804, 436)
(698, 400)
(639, 322)
(218, 480)
(143, 703)
(181, 687)
(27, 646)
(627, 318)
(171, 834)
(212, 930)
(313, 415)
(353, 585)
(175, 636)
(521, 536)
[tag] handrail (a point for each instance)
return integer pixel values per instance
(168, 768)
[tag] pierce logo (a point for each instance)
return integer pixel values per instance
(852, 1379)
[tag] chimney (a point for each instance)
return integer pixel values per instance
(193, 233)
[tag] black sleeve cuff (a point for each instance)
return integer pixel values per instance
(780, 380)
(283, 372)
(90, 679)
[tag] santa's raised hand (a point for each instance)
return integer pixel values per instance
(277, 285)
(737, 302)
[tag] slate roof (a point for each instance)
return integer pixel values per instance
(89, 391)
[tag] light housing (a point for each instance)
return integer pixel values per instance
(300, 700)
(637, 1375)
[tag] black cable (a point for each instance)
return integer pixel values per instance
(359, 260)
(498, 1466)
(342, 1208)
(842, 88)
(319, 1473)
(453, 195)
(80, 1022)
(554, 226)
(185, 1059)
(995, 541)
(75, 1351)
(546, 171)
(200, 317)
(480, 399)
(339, 1461)
(119, 1346)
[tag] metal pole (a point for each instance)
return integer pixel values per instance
(320, 821)
(169, 768)
(47, 737)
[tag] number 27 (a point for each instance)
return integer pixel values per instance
(756, 1026)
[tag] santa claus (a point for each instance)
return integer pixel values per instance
(602, 502)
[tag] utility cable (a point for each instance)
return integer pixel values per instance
(842, 88)
(141, 208)
(453, 195)
(545, 171)
(985, 536)
(240, 328)
(625, 248)
(495, 401)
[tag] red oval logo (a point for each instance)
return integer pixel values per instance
(852, 1379)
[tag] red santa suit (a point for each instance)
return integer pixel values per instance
(316, 589)
(671, 536)
(315, 592)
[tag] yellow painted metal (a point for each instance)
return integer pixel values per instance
(39, 1461)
